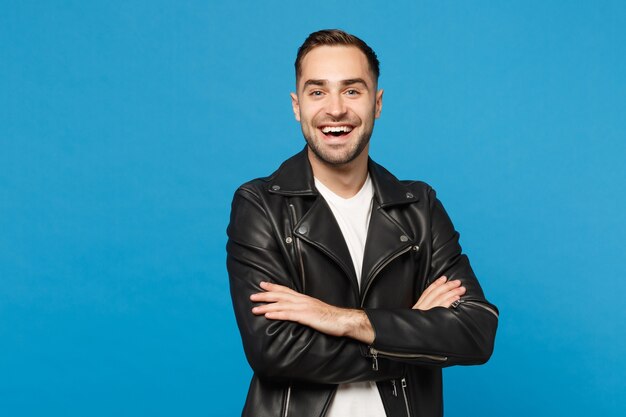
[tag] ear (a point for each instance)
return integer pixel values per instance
(295, 105)
(379, 103)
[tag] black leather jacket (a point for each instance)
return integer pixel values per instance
(282, 230)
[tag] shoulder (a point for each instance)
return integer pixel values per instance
(420, 187)
(423, 191)
(392, 190)
(292, 178)
(257, 186)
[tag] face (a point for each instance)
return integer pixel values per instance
(336, 103)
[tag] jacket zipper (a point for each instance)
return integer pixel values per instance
(296, 239)
(406, 400)
(288, 397)
(297, 243)
(478, 304)
(375, 352)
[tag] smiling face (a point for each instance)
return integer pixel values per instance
(336, 103)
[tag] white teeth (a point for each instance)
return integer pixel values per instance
(328, 129)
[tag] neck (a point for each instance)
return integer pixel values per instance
(344, 180)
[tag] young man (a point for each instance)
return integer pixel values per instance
(349, 286)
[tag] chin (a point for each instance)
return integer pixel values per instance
(332, 156)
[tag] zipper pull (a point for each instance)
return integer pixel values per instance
(374, 353)
(406, 400)
(395, 390)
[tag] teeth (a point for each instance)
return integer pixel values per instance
(328, 129)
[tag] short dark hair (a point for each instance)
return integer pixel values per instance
(334, 37)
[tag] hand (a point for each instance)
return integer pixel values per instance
(441, 293)
(283, 303)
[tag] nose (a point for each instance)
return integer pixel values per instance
(336, 106)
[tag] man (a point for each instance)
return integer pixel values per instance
(349, 286)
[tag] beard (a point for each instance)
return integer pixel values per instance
(336, 155)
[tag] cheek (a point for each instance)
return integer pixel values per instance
(369, 113)
(313, 117)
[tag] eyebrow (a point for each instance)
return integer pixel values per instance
(354, 81)
(321, 83)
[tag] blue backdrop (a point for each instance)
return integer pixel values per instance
(125, 128)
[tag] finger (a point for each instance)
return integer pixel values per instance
(280, 299)
(274, 312)
(439, 290)
(447, 294)
(274, 316)
(279, 315)
(282, 311)
(261, 297)
(444, 300)
(272, 297)
(453, 298)
(436, 283)
(448, 302)
(452, 289)
(271, 308)
(423, 298)
(437, 295)
(269, 286)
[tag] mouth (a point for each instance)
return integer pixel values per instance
(336, 131)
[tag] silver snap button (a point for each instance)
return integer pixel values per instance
(416, 248)
(409, 195)
(303, 229)
(275, 187)
(403, 238)
(288, 239)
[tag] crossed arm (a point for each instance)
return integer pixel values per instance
(283, 303)
(289, 335)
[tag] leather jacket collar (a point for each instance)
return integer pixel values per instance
(290, 179)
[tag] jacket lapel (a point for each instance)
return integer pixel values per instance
(319, 228)
(385, 239)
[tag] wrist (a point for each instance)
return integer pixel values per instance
(357, 326)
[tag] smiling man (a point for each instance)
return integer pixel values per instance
(349, 286)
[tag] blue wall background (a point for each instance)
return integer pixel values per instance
(126, 127)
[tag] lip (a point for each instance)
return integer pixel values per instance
(335, 125)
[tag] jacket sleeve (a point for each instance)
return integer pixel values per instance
(276, 349)
(461, 334)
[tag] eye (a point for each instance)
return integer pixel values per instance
(315, 93)
(352, 92)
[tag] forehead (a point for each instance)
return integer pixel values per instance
(335, 63)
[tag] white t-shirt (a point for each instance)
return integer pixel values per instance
(360, 399)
